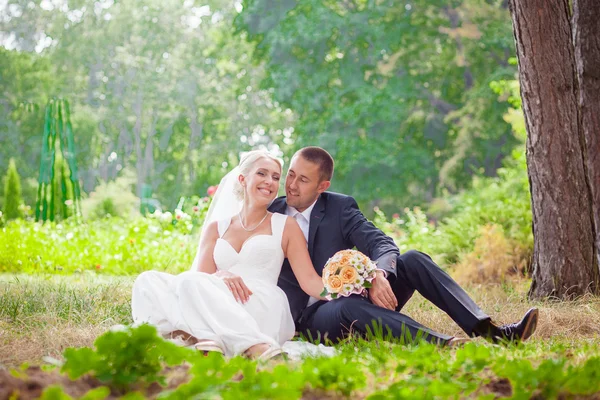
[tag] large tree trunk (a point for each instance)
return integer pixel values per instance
(586, 20)
(564, 259)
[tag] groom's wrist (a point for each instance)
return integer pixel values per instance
(383, 271)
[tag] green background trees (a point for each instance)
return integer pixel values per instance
(399, 93)
(12, 193)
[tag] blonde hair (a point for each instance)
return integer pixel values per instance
(246, 164)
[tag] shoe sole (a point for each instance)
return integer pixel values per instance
(208, 346)
(530, 325)
(458, 342)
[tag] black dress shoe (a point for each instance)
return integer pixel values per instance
(519, 331)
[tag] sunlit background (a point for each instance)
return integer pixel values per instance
(409, 98)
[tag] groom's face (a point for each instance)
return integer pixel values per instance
(303, 183)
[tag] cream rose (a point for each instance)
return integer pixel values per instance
(334, 284)
(348, 274)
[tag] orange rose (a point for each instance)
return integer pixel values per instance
(348, 275)
(334, 284)
(332, 269)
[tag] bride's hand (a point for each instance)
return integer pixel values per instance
(236, 285)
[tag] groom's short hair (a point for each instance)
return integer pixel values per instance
(320, 157)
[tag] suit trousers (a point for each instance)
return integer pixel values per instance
(334, 320)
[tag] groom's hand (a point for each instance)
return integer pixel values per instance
(381, 294)
(236, 285)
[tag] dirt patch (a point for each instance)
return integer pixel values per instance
(30, 384)
(500, 387)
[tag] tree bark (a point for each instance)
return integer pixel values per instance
(564, 259)
(586, 20)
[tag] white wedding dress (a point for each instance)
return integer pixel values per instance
(203, 306)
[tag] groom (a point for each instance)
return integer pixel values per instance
(333, 222)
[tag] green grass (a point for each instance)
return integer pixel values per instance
(363, 369)
(27, 302)
(42, 316)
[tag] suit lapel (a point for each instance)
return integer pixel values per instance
(316, 216)
(279, 205)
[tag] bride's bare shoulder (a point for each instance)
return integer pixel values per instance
(212, 230)
(291, 227)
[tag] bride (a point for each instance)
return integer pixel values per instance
(229, 301)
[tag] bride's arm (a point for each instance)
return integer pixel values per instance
(296, 251)
(204, 262)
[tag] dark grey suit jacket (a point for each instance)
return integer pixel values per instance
(336, 223)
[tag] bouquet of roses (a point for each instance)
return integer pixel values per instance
(347, 272)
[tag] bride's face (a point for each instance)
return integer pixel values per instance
(262, 182)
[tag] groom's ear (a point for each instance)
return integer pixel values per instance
(323, 186)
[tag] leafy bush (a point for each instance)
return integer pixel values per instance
(125, 359)
(115, 198)
(495, 258)
(329, 374)
(13, 199)
(411, 230)
(503, 201)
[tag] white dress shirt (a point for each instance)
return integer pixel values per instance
(303, 219)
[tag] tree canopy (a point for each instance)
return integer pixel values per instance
(399, 93)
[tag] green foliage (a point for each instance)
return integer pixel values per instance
(209, 375)
(26, 79)
(378, 369)
(504, 200)
(115, 198)
(329, 374)
(173, 103)
(281, 382)
(213, 376)
(561, 367)
(550, 377)
(62, 190)
(59, 177)
(57, 393)
(411, 230)
(167, 241)
(399, 93)
(125, 358)
(12, 192)
(110, 245)
(83, 299)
